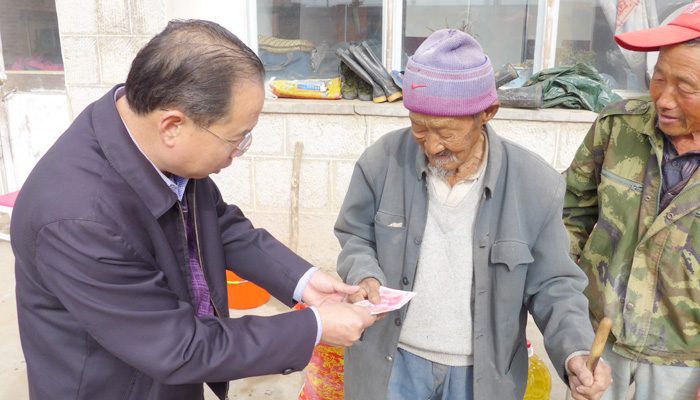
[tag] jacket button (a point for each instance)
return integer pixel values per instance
(669, 216)
(630, 306)
(647, 198)
(405, 280)
(287, 371)
(397, 321)
(389, 358)
(418, 240)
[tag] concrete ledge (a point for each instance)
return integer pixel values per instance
(396, 109)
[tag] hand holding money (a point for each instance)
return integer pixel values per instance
(379, 299)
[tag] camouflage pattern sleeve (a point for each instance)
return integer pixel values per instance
(582, 179)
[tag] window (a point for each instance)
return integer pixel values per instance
(505, 29)
(31, 49)
(298, 38)
(530, 34)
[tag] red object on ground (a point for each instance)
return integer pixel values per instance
(324, 374)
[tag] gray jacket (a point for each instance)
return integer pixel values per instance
(521, 262)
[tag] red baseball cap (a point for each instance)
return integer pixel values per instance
(685, 27)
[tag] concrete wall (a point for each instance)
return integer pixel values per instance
(99, 39)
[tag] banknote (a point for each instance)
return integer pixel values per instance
(392, 299)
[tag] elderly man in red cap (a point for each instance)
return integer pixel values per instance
(472, 224)
(632, 210)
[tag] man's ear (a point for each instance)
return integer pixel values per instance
(490, 112)
(170, 125)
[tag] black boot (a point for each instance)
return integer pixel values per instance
(522, 97)
(385, 75)
(388, 86)
(504, 75)
(378, 95)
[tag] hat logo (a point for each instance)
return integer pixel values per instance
(414, 86)
(693, 7)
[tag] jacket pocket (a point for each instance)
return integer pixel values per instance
(390, 234)
(511, 253)
(624, 181)
(387, 220)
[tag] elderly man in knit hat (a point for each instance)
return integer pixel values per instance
(632, 209)
(472, 223)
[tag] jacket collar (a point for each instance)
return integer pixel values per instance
(126, 159)
(493, 166)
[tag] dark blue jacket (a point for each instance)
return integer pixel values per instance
(104, 302)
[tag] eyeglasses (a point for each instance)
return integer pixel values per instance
(241, 147)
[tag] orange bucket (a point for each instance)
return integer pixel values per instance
(243, 294)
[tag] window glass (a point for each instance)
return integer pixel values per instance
(298, 38)
(29, 34)
(504, 28)
(590, 38)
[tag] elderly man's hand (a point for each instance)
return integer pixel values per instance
(369, 289)
(583, 384)
(325, 289)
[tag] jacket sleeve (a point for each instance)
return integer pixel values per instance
(554, 291)
(582, 178)
(125, 304)
(354, 229)
(254, 254)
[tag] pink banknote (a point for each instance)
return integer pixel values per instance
(392, 299)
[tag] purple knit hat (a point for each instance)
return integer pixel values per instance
(449, 75)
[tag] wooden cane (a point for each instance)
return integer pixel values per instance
(601, 336)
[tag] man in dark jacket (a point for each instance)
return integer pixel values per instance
(122, 240)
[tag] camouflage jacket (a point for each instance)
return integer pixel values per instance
(643, 265)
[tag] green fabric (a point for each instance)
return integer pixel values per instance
(643, 265)
(577, 87)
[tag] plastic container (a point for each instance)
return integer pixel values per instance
(539, 380)
(243, 295)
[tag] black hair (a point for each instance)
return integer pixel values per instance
(192, 66)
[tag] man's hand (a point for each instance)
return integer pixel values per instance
(324, 289)
(343, 323)
(369, 289)
(697, 394)
(583, 384)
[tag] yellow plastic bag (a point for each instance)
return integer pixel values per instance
(307, 88)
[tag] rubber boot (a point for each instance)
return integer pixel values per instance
(364, 90)
(522, 97)
(389, 88)
(349, 82)
(378, 95)
(504, 75)
(385, 75)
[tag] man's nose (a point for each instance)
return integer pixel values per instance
(433, 144)
(667, 100)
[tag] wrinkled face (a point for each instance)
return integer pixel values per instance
(675, 90)
(447, 141)
(201, 153)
